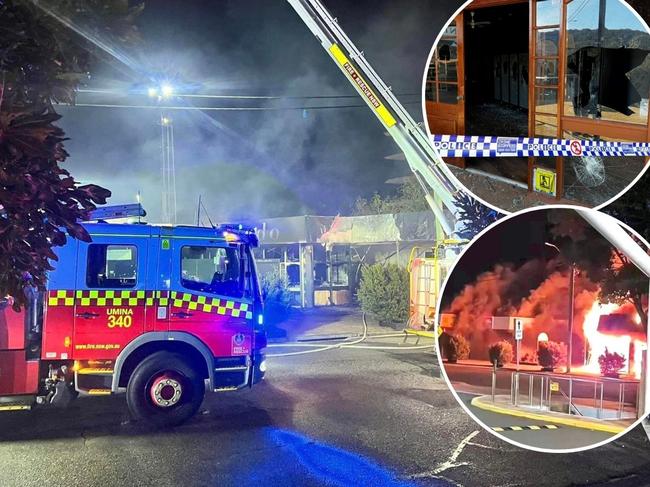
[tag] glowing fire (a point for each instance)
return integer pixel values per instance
(597, 342)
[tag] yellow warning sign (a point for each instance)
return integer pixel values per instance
(544, 181)
(555, 386)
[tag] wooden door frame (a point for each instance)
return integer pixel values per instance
(603, 128)
(459, 107)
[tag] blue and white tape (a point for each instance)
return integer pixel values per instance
(492, 146)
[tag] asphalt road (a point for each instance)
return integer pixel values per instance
(342, 417)
(556, 437)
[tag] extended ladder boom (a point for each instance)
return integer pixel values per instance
(424, 161)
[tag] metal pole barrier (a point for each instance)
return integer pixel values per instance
(570, 395)
(595, 394)
(620, 399)
(531, 382)
(541, 393)
(516, 388)
(494, 380)
(600, 410)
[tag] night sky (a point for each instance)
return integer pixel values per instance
(521, 239)
(514, 241)
(255, 164)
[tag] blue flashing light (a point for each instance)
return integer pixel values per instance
(260, 319)
(240, 232)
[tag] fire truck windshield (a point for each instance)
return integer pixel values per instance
(215, 270)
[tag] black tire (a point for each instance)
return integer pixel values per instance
(138, 395)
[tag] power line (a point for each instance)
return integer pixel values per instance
(236, 97)
(216, 109)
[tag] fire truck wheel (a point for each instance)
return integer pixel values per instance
(164, 390)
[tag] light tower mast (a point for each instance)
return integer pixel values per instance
(168, 171)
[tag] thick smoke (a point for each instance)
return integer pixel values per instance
(254, 164)
(537, 290)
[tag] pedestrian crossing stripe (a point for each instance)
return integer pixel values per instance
(525, 428)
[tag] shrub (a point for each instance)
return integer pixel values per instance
(529, 358)
(611, 363)
(277, 297)
(501, 353)
(550, 354)
(384, 292)
(456, 348)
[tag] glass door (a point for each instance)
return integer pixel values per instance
(445, 85)
(545, 173)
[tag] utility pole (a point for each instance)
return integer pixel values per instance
(572, 284)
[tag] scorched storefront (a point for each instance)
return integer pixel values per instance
(565, 69)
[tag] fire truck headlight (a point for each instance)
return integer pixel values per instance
(260, 319)
(263, 366)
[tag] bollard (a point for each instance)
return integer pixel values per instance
(516, 376)
(494, 380)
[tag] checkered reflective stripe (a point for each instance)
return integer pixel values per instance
(101, 297)
(225, 307)
(60, 298)
(188, 301)
(493, 146)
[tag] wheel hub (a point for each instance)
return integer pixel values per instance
(166, 391)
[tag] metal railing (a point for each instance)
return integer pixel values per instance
(601, 398)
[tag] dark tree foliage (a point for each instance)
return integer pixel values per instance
(409, 197)
(619, 279)
(41, 62)
(624, 282)
(474, 216)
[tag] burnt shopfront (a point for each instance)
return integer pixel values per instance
(321, 256)
(566, 69)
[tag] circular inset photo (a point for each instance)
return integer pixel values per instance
(543, 329)
(542, 102)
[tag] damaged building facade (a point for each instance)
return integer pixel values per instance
(321, 256)
(565, 69)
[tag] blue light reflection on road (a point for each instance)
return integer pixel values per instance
(332, 465)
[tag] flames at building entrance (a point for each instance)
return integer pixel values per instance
(485, 310)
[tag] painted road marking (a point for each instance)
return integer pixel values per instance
(525, 428)
(452, 462)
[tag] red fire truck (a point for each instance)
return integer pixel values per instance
(158, 312)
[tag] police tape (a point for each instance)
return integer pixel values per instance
(493, 146)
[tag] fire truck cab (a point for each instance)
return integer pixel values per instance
(158, 312)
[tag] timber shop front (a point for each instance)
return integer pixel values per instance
(564, 69)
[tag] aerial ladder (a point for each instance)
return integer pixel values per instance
(426, 164)
(440, 188)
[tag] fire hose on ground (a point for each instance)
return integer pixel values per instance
(355, 344)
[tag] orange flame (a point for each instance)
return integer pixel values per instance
(598, 342)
